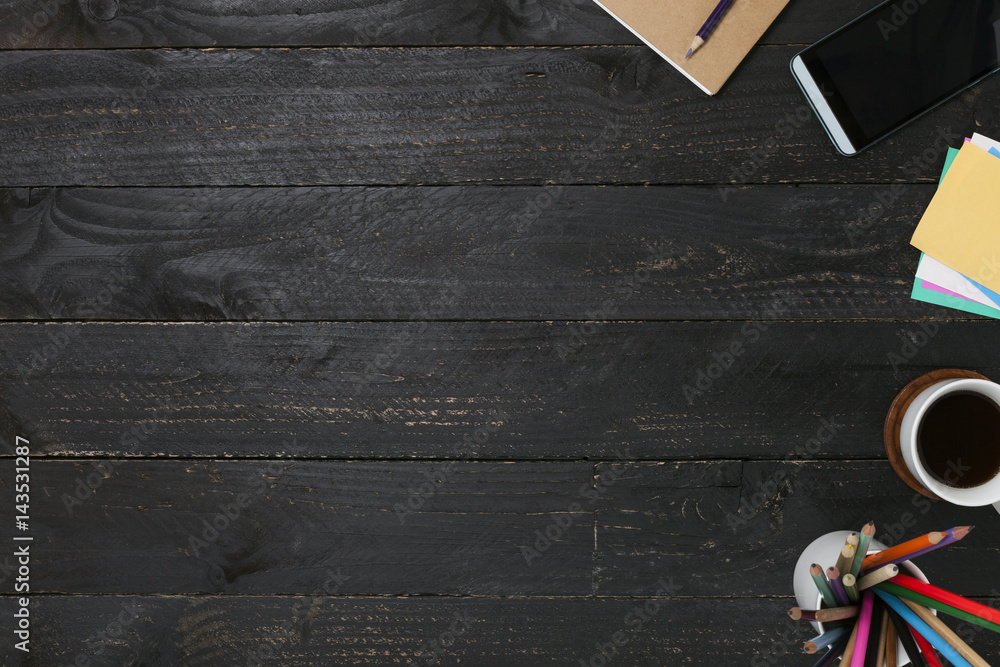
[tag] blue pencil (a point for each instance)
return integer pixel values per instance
(709, 25)
(834, 653)
(825, 639)
(926, 631)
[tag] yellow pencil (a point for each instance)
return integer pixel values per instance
(846, 558)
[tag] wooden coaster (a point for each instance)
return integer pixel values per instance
(894, 421)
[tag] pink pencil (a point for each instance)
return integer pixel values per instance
(864, 624)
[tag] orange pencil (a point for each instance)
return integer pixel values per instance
(900, 551)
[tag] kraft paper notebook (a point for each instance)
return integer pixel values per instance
(668, 26)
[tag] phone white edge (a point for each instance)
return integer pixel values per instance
(822, 109)
(996, 506)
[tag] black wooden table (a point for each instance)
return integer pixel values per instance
(403, 332)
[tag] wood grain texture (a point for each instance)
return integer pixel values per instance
(601, 115)
(228, 630)
(400, 390)
(180, 23)
(457, 252)
(652, 516)
(308, 527)
(718, 528)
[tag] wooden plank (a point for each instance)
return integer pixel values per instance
(457, 252)
(401, 390)
(210, 631)
(651, 518)
(168, 527)
(719, 528)
(181, 23)
(599, 115)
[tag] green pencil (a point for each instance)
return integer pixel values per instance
(864, 540)
(919, 598)
(851, 586)
(821, 583)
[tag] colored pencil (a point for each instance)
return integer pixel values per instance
(846, 558)
(901, 551)
(890, 641)
(825, 639)
(821, 583)
(875, 654)
(849, 649)
(930, 634)
(851, 586)
(833, 574)
(937, 625)
(864, 627)
(906, 639)
(884, 573)
(926, 601)
(837, 613)
(950, 537)
(949, 598)
(865, 539)
(835, 652)
(927, 650)
(799, 614)
(709, 25)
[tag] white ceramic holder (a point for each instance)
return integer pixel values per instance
(824, 551)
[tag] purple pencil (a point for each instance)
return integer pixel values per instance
(709, 25)
(950, 537)
(839, 592)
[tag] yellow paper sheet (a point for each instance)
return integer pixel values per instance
(961, 227)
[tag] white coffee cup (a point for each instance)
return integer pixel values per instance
(985, 494)
(824, 550)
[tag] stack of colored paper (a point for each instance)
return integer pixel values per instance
(959, 233)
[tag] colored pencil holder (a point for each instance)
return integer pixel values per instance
(824, 550)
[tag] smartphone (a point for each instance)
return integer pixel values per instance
(896, 63)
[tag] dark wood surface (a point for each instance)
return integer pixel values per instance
(388, 291)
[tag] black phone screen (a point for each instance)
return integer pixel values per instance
(903, 58)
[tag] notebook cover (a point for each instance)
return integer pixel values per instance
(668, 26)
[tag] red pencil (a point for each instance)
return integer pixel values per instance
(930, 657)
(957, 601)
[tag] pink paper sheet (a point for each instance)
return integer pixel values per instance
(938, 288)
